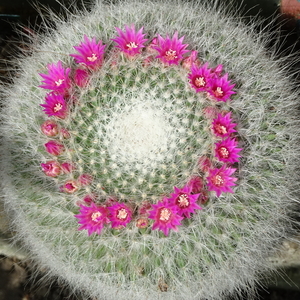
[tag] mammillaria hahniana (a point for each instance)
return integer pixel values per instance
(149, 151)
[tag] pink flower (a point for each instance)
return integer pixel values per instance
(210, 112)
(222, 125)
(65, 133)
(93, 218)
(81, 77)
(191, 60)
(150, 48)
(165, 216)
(170, 50)
(57, 79)
(67, 167)
(115, 56)
(144, 208)
(70, 187)
(204, 163)
(203, 197)
(195, 184)
(141, 223)
(110, 201)
(227, 151)
(129, 41)
(220, 88)
(217, 70)
(51, 168)
(90, 54)
(120, 215)
(55, 106)
(49, 128)
(147, 61)
(85, 179)
(88, 199)
(200, 78)
(54, 148)
(185, 201)
(219, 180)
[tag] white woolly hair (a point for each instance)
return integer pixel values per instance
(226, 246)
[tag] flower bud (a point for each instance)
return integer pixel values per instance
(49, 128)
(51, 168)
(54, 148)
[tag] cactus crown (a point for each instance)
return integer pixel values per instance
(140, 123)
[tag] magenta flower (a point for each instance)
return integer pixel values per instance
(220, 88)
(67, 167)
(227, 151)
(217, 70)
(147, 61)
(219, 180)
(191, 60)
(85, 179)
(90, 54)
(200, 78)
(51, 168)
(204, 163)
(165, 216)
(110, 201)
(170, 50)
(195, 184)
(144, 208)
(222, 126)
(81, 77)
(203, 197)
(57, 79)
(129, 41)
(93, 218)
(65, 133)
(210, 112)
(150, 48)
(185, 201)
(88, 199)
(49, 128)
(55, 106)
(54, 148)
(142, 223)
(120, 215)
(70, 187)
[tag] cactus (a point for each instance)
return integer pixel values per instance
(148, 152)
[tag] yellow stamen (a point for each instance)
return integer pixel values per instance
(200, 82)
(183, 201)
(122, 214)
(59, 82)
(170, 54)
(95, 216)
(92, 58)
(218, 92)
(57, 107)
(165, 214)
(221, 129)
(224, 153)
(218, 180)
(131, 45)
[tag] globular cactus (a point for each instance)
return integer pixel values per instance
(149, 151)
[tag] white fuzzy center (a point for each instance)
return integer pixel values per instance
(139, 135)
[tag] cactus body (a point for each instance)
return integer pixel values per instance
(137, 132)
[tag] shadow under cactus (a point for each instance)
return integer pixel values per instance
(17, 284)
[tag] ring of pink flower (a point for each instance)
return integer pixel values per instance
(170, 211)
